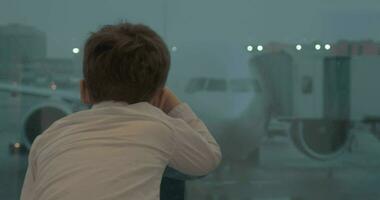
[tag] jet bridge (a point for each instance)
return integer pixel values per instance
(319, 98)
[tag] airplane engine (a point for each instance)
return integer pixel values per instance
(40, 117)
(321, 139)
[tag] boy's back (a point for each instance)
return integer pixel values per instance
(117, 151)
(136, 128)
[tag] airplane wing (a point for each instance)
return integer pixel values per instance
(69, 95)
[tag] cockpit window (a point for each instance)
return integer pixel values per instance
(208, 84)
(220, 85)
(241, 85)
(245, 85)
(195, 85)
(216, 85)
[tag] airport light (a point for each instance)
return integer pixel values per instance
(318, 47)
(17, 145)
(76, 50)
(260, 48)
(298, 47)
(249, 48)
(53, 86)
(327, 46)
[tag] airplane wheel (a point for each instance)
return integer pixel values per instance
(320, 139)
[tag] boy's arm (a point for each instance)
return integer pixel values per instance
(196, 152)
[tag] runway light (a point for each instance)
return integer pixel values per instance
(327, 46)
(76, 50)
(17, 145)
(298, 47)
(53, 86)
(249, 48)
(260, 48)
(317, 46)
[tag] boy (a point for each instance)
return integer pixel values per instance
(137, 127)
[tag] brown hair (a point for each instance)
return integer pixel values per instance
(125, 62)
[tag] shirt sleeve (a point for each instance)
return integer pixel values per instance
(196, 152)
(28, 189)
(27, 192)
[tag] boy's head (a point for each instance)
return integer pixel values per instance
(124, 62)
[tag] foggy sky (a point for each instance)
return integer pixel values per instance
(68, 22)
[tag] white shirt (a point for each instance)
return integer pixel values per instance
(117, 151)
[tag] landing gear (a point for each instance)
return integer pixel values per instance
(17, 148)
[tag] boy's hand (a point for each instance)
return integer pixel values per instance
(165, 100)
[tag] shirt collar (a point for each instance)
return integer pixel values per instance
(109, 103)
(141, 107)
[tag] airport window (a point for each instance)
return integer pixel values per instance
(289, 89)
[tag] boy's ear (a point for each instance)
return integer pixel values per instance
(84, 93)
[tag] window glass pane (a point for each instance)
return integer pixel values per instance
(289, 89)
